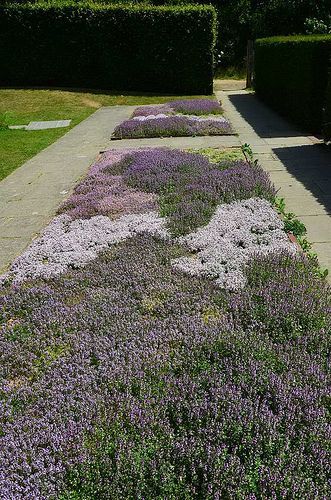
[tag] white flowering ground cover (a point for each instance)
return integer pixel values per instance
(163, 338)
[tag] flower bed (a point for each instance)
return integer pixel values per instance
(148, 352)
(188, 117)
(185, 106)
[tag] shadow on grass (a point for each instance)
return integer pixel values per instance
(80, 90)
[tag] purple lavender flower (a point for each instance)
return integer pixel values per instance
(122, 377)
(184, 106)
(104, 192)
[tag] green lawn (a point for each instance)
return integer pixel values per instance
(19, 107)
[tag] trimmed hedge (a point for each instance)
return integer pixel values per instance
(291, 75)
(242, 20)
(160, 49)
(327, 115)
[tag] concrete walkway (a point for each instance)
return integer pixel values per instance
(220, 141)
(298, 164)
(229, 84)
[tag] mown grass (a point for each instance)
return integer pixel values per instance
(20, 106)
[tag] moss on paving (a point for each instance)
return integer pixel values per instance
(215, 155)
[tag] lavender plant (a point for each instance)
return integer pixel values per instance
(104, 192)
(236, 232)
(185, 187)
(123, 377)
(128, 186)
(153, 110)
(67, 243)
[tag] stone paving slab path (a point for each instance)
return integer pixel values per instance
(30, 196)
(298, 164)
(216, 141)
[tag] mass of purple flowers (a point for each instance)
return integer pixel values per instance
(155, 191)
(187, 117)
(184, 106)
(126, 379)
(164, 339)
(153, 110)
(171, 126)
(104, 192)
(184, 187)
(196, 106)
(190, 186)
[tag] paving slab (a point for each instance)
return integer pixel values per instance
(273, 165)
(220, 141)
(323, 252)
(298, 164)
(43, 125)
(319, 227)
(307, 204)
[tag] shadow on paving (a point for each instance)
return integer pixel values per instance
(310, 165)
(265, 121)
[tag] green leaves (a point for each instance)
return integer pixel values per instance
(132, 46)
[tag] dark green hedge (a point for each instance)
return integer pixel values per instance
(160, 49)
(327, 115)
(240, 20)
(291, 75)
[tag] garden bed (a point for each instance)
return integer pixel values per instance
(187, 117)
(163, 338)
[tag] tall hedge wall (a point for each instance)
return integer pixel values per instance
(166, 49)
(291, 75)
(240, 20)
(327, 113)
